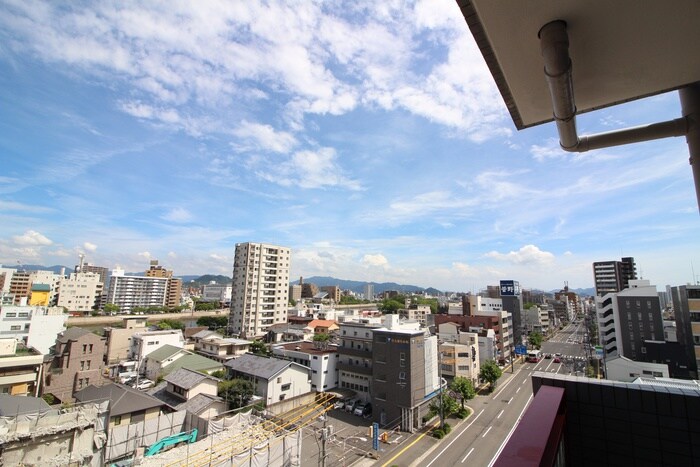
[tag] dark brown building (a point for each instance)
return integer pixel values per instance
(76, 363)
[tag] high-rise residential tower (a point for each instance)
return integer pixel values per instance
(260, 293)
(613, 276)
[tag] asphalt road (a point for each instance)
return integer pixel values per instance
(479, 439)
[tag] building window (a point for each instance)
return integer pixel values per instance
(644, 350)
(84, 348)
(285, 387)
(117, 420)
(24, 315)
(90, 348)
(82, 366)
(10, 315)
(15, 328)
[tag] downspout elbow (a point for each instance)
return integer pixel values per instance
(554, 46)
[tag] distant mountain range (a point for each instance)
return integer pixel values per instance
(359, 286)
(355, 286)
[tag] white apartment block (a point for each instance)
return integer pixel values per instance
(128, 292)
(216, 293)
(80, 291)
(35, 326)
(322, 361)
(260, 293)
(143, 343)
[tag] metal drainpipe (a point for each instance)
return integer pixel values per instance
(554, 46)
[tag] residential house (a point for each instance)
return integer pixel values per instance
(20, 368)
(126, 405)
(77, 362)
(323, 326)
(220, 348)
(169, 358)
(273, 379)
(320, 357)
(145, 342)
(119, 339)
(192, 391)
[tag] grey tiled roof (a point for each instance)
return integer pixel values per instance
(186, 378)
(71, 334)
(16, 405)
(199, 403)
(122, 399)
(261, 367)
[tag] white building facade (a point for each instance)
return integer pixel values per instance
(80, 292)
(260, 294)
(143, 343)
(321, 359)
(35, 326)
(128, 292)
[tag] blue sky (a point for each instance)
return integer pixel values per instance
(367, 136)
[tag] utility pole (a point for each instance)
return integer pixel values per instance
(324, 438)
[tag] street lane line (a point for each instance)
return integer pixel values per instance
(465, 457)
(411, 444)
(509, 400)
(518, 390)
(504, 386)
(446, 447)
(510, 433)
(500, 413)
(486, 432)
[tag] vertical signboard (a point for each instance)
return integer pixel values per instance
(375, 436)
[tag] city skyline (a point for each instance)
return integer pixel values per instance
(370, 139)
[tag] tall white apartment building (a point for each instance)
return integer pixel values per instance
(80, 291)
(128, 292)
(260, 292)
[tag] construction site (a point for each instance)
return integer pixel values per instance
(247, 439)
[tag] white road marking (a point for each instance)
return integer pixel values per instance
(509, 400)
(498, 453)
(455, 439)
(465, 457)
(518, 390)
(500, 413)
(486, 432)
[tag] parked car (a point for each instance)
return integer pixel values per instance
(350, 406)
(145, 384)
(557, 359)
(340, 403)
(359, 408)
(363, 409)
(548, 355)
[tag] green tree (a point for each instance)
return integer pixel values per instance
(535, 339)
(450, 405)
(171, 324)
(464, 387)
(350, 300)
(390, 306)
(213, 322)
(111, 308)
(237, 392)
(260, 348)
(321, 340)
(205, 306)
(490, 372)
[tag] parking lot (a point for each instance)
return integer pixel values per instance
(349, 439)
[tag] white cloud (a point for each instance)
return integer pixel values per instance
(551, 149)
(264, 137)
(145, 254)
(172, 255)
(177, 215)
(89, 246)
(307, 169)
(528, 254)
(15, 206)
(31, 237)
(377, 260)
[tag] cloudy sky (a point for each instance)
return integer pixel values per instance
(367, 136)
